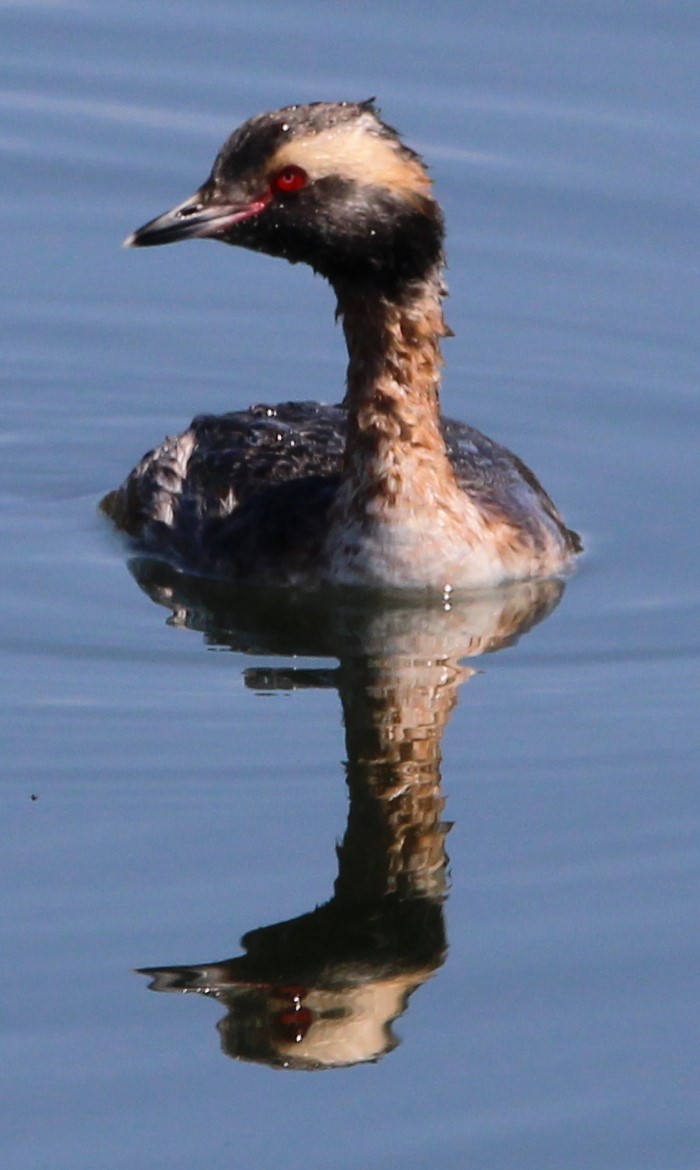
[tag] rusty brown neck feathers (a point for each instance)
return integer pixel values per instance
(395, 445)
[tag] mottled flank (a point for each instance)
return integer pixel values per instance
(378, 492)
(255, 488)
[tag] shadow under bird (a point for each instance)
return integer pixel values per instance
(380, 491)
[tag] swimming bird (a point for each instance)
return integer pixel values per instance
(380, 491)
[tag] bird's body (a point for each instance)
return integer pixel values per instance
(380, 491)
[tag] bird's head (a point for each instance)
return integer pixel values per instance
(327, 184)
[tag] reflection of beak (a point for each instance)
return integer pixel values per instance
(194, 217)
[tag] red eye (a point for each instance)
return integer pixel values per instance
(290, 179)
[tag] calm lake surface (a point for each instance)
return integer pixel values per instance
(179, 770)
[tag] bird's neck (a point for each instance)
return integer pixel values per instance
(395, 445)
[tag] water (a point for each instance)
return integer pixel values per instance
(189, 776)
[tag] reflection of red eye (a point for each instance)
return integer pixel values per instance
(292, 1026)
(290, 179)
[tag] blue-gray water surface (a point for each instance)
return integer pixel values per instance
(178, 772)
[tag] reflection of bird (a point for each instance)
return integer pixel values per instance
(323, 989)
(380, 491)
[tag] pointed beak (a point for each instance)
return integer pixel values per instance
(198, 216)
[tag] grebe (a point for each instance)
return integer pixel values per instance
(380, 491)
